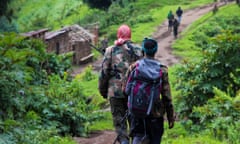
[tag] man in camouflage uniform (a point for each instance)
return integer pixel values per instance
(152, 125)
(117, 59)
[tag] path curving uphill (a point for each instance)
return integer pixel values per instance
(164, 54)
(165, 39)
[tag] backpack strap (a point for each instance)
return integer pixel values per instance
(110, 71)
(131, 51)
(151, 100)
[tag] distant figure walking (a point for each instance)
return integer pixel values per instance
(179, 13)
(170, 20)
(175, 27)
(215, 9)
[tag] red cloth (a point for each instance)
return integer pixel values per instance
(123, 34)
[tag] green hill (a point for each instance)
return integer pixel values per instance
(39, 106)
(142, 15)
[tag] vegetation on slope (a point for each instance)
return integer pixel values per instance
(38, 98)
(209, 83)
(143, 16)
(41, 107)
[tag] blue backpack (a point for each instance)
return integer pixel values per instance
(144, 87)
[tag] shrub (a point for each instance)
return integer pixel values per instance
(37, 96)
(221, 114)
(218, 68)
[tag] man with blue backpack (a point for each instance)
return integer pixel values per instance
(147, 87)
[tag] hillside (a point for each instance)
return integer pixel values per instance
(33, 15)
(42, 103)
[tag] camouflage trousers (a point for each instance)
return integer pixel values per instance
(120, 121)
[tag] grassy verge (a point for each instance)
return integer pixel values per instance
(105, 124)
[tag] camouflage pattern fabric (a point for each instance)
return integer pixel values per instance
(116, 61)
(118, 110)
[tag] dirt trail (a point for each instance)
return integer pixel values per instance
(165, 39)
(164, 54)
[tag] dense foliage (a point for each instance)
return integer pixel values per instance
(38, 98)
(100, 4)
(221, 115)
(6, 23)
(219, 67)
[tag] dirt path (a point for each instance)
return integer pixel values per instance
(164, 54)
(166, 39)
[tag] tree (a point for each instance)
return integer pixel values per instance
(6, 24)
(100, 4)
(219, 68)
(4, 11)
(3, 7)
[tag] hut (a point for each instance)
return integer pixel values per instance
(68, 39)
(58, 42)
(71, 39)
(80, 40)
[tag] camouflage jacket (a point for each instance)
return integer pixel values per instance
(165, 103)
(115, 63)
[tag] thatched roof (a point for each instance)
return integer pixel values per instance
(77, 33)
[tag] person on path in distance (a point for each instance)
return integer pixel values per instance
(170, 17)
(175, 27)
(117, 59)
(150, 129)
(179, 13)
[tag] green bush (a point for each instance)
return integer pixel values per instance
(6, 25)
(38, 97)
(218, 68)
(221, 114)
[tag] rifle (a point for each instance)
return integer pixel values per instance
(91, 45)
(102, 51)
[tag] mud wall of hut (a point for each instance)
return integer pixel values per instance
(82, 52)
(59, 44)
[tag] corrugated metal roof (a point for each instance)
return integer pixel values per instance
(33, 33)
